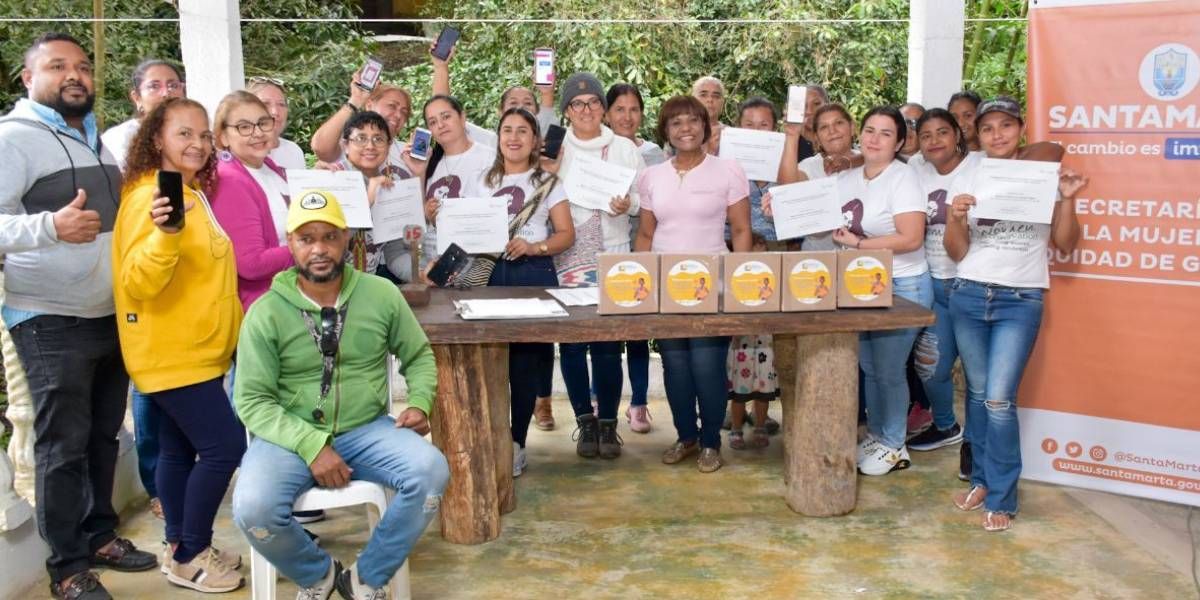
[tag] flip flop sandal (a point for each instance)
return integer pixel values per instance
(991, 523)
(973, 500)
(736, 440)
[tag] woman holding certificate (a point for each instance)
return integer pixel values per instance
(686, 203)
(601, 223)
(996, 309)
(835, 153)
(366, 139)
(538, 210)
(884, 210)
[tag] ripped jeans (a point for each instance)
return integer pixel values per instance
(996, 328)
(273, 477)
(934, 356)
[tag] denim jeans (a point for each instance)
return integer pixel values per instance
(606, 373)
(637, 359)
(201, 443)
(273, 477)
(530, 366)
(883, 356)
(996, 328)
(934, 357)
(146, 417)
(78, 385)
(694, 377)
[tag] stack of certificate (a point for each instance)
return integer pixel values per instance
(509, 308)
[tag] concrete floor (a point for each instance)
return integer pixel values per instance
(634, 528)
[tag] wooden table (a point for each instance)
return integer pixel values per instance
(818, 375)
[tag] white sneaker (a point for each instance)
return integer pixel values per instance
(519, 460)
(324, 588)
(865, 447)
(883, 460)
(352, 588)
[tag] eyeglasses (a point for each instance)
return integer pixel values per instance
(158, 87)
(329, 321)
(362, 140)
(580, 105)
(271, 80)
(246, 128)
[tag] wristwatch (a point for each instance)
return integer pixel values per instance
(543, 249)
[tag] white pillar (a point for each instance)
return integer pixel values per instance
(211, 36)
(935, 50)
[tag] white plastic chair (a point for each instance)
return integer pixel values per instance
(262, 572)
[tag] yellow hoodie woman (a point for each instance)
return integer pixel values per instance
(178, 311)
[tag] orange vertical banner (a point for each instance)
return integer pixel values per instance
(1111, 397)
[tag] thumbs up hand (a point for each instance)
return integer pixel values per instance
(74, 223)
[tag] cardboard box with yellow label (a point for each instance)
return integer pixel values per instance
(810, 281)
(690, 283)
(628, 283)
(751, 282)
(865, 278)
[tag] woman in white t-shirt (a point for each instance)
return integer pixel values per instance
(537, 202)
(835, 153)
(884, 210)
(944, 160)
(996, 308)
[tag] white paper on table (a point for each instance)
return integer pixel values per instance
(346, 187)
(581, 296)
(592, 182)
(396, 208)
(1016, 190)
(797, 103)
(477, 225)
(509, 308)
(805, 208)
(758, 152)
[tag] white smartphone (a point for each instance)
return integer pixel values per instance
(797, 103)
(543, 66)
(369, 77)
(420, 145)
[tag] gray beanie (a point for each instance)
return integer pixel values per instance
(579, 84)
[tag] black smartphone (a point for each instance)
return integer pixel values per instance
(445, 43)
(170, 186)
(448, 265)
(553, 142)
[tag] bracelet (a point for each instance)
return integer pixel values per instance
(353, 108)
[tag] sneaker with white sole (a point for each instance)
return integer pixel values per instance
(168, 558)
(324, 588)
(519, 460)
(205, 573)
(352, 588)
(865, 447)
(883, 460)
(305, 517)
(933, 438)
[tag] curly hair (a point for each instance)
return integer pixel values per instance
(145, 156)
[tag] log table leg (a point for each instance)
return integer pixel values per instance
(496, 379)
(820, 426)
(463, 430)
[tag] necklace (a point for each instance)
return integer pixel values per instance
(681, 172)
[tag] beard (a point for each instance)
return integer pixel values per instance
(70, 110)
(334, 273)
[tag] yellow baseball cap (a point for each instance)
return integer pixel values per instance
(315, 205)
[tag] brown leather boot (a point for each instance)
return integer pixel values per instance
(543, 414)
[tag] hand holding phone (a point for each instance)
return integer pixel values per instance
(422, 138)
(370, 74)
(445, 43)
(170, 186)
(553, 142)
(797, 103)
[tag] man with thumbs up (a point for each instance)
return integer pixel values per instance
(58, 200)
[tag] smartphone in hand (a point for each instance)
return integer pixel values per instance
(422, 138)
(553, 141)
(543, 66)
(797, 103)
(448, 265)
(445, 42)
(170, 186)
(368, 78)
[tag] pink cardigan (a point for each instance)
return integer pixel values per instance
(240, 205)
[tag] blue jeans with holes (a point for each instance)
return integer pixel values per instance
(996, 328)
(694, 378)
(934, 357)
(883, 356)
(273, 477)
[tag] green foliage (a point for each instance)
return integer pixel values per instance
(315, 60)
(1000, 66)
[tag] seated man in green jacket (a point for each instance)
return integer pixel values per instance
(312, 388)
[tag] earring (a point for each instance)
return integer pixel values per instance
(225, 156)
